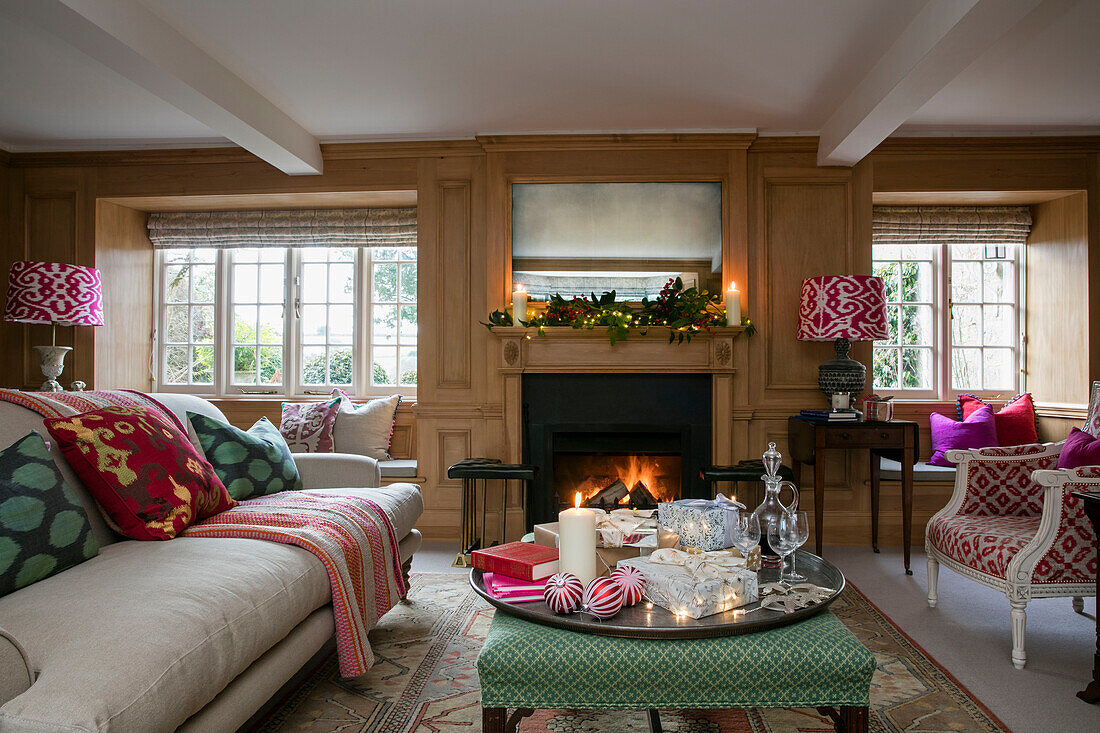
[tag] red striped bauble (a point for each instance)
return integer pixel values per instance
(632, 581)
(563, 592)
(602, 598)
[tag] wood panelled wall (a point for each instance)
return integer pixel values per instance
(785, 219)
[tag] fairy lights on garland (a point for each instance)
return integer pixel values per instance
(683, 311)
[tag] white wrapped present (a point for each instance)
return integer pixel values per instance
(705, 524)
(696, 584)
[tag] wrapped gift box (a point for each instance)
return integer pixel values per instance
(547, 534)
(701, 523)
(706, 584)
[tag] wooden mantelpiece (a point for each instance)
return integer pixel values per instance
(568, 350)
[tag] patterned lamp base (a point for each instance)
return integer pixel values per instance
(841, 376)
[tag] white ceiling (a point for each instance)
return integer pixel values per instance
(356, 70)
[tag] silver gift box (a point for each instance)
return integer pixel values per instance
(684, 592)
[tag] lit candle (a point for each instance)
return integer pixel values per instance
(519, 304)
(733, 305)
(577, 542)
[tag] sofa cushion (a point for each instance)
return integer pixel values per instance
(144, 635)
(398, 468)
(256, 462)
(145, 473)
(402, 503)
(43, 527)
(365, 429)
(307, 427)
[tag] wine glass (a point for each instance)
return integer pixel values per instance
(747, 536)
(802, 533)
(783, 538)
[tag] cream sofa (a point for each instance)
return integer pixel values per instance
(194, 634)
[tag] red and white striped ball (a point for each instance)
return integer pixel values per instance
(563, 592)
(632, 581)
(602, 598)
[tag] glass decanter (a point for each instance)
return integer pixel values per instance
(770, 509)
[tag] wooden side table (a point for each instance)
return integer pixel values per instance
(1091, 501)
(897, 439)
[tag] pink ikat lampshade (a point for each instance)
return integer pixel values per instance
(842, 306)
(54, 293)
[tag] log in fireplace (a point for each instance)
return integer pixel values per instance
(620, 440)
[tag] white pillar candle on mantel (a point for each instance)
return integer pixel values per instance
(577, 542)
(733, 305)
(519, 305)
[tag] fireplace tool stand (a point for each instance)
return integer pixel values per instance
(471, 471)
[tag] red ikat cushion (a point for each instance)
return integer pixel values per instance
(1016, 423)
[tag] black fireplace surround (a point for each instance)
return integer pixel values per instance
(614, 414)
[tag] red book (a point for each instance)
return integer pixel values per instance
(523, 560)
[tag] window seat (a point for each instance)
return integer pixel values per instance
(890, 470)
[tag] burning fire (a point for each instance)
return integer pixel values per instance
(660, 479)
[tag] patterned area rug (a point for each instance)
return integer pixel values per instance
(426, 680)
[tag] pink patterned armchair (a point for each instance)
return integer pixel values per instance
(1011, 524)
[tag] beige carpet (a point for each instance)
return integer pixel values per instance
(426, 680)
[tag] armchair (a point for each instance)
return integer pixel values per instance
(1011, 524)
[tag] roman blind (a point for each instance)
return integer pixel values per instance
(389, 227)
(993, 225)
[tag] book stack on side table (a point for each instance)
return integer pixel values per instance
(830, 415)
(516, 572)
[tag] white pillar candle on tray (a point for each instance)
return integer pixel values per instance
(733, 305)
(577, 542)
(519, 305)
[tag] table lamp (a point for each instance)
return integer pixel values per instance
(842, 308)
(57, 294)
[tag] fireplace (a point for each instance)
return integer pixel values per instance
(620, 440)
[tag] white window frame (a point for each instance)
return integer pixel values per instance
(291, 388)
(942, 389)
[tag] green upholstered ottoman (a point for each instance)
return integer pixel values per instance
(815, 663)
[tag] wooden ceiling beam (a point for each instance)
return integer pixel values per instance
(943, 39)
(128, 38)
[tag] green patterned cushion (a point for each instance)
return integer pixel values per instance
(250, 464)
(814, 662)
(43, 527)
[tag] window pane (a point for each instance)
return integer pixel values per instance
(384, 371)
(246, 254)
(272, 283)
(408, 253)
(916, 252)
(916, 282)
(202, 366)
(244, 365)
(408, 282)
(176, 363)
(341, 323)
(916, 325)
(271, 324)
(202, 324)
(176, 324)
(998, 364)
(203, 282)
(1000, 282)
(314, 254)
(244, 284)
(385, 284)
(177, 284)
(272, 254)
(966, 251)
(314, 283)
(886, 368)
(916, 368)
(313, 365)
(408, 324)
(966, 325)
(313, 324)
(407, 367)
(244, 324)
(176, 255)
(340, 366)
(966, 368)
(341, 283)
(342, 254)
(998, 325)
(386, 253)
(271, 365)
(966, 282)
(384, 330)
(893, 315)
(888, 271)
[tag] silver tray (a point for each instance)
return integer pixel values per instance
(639, 622)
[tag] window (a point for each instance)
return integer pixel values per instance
(953, 313)
(285, 321)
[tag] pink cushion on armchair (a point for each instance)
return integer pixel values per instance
(1080, 449)
(977, 431)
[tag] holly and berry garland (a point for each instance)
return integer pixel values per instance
(683, 311)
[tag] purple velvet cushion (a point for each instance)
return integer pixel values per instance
(979, 430)
(1080, 449)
